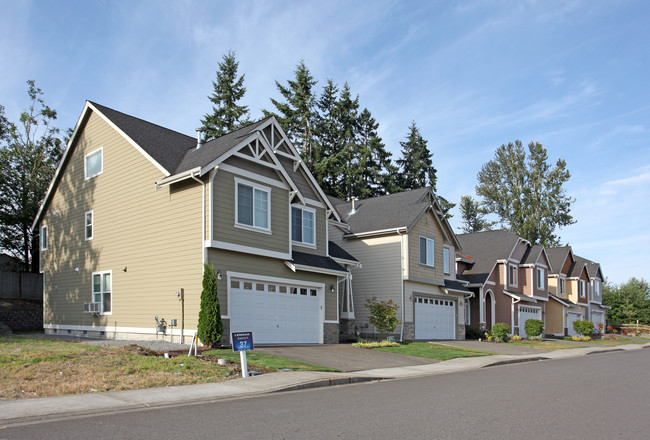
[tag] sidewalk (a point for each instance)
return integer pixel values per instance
(49, 408)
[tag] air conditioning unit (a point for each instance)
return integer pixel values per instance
(92, 307)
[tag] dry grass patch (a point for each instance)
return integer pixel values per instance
(36, 367)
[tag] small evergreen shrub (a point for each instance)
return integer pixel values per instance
(210, 327)
(473, 332)
(585, 328)
(534, 327)
(500, 332)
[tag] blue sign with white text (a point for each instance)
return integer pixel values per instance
(242, 341)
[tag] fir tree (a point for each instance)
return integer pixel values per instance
(347, 110)
(226, 115)
(210, 327)
(329, 157)
(297, 114)
(416, 162)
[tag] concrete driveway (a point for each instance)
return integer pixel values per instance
(344, 357)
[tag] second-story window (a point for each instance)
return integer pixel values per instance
(43, 238)
(561, 286)
(94, 163)
(512, 274)
(426, 251)
(89, 225)
(596, 288)
(445, 256)
(540, 278)
(253, 206)
(582, 289)
(303, 225)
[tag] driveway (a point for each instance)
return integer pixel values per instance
(344, 357)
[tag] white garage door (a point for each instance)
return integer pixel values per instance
(275, 312)
(435, 318)
(571, 318)
(598, 318)
(526, 313)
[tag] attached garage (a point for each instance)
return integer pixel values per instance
(435, 318)
(276, 312)
(526, 313)
(598, 318)
(570, 319)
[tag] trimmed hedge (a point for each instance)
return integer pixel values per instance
(534, 327)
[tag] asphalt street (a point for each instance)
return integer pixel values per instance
(598, 396)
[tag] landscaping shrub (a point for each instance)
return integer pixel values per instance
(500, 332)
(516, 338)
(473, 332)
(383, 315)
(585, 328)
(210, 326)
(534, 327)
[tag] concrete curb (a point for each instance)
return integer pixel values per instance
(17, 412)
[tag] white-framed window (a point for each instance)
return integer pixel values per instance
(94, 163)
(582, 289)
(540, 278)
(512, 274)
(102, 288)
(88, 223)
(252, 205)
(596, 288)
(303, 225)
(445, 258)
(426, 251)
(562, 285)
(43, 237)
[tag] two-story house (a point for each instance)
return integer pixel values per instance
(596, 311)
(135, 210)
(508, 278)
(408, 249)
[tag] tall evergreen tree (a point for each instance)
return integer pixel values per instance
(297, 114)
(329, 157)
(226, 114)
(210, 326)
(416, 162)
(348, 123)
(473, 216)
(29, 154)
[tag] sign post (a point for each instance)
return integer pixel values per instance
(242, 342)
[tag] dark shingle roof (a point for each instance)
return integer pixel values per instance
(532, 254)
(486, 248)
(456, 286)
(557, 256)
(386, 212)
(593, 268)
(165, 146)
(317, 261)
(337, 251)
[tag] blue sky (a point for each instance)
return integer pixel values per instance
(572, 75)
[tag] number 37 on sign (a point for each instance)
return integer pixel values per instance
(242, 341)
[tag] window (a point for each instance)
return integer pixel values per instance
(89, 225)
(582, 288)
(445, 257)
(596, 288)
(562, 286)
(94, 163)
(102, 290)
(540, 278)
(253, 206)
(426, 251)
(512, 274)
(43, 238)
(303, 228)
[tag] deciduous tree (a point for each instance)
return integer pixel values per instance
(473, 216)
(526, 193)
(629, 301)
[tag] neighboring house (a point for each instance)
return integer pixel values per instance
(407, 248)
(135, 210)
(596, 311)
(568, 285)
(508, 278)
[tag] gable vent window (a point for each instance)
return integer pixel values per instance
(44, 238)
(512, 274)
(303, 227)
(445, 256)
(252, 206)
(582, 289)
(426, 251)
(94, 163)
(540, 278)
(89, 225)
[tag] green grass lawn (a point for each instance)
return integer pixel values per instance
(267, 361)
(618, 341)
(545, 345)
(434, 351)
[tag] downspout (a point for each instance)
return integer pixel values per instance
(202, 216)
(401, 274)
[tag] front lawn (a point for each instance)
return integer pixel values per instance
(434, 351)
(266, 361)
(545, 345)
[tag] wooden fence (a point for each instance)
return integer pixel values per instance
(635, 327)
(21, 285)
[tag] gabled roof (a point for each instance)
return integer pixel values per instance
(593, 269)
(318, 263)
(486, 248)
(391, 212)
(557, 256)
(337, 252)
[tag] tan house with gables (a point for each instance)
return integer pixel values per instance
(407, 249)
(135, 210)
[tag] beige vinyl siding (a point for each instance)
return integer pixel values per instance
(226, 261)
(380, 274)
(224, 201)
(150, 240)
(554, 322)
(553, 283)
(427, 226)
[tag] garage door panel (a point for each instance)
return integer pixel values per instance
(526, 313)
(435, 318)
(571, 318)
